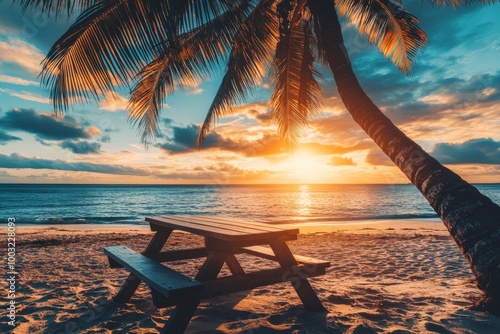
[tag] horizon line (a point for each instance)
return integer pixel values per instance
(215, 184)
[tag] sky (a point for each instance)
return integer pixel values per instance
(449, 104)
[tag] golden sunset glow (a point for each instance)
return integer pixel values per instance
(264, 142)
(304, 166)
(304, 201)
(452, 114)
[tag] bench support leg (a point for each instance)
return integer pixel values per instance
(180, 317)
(300, 284)
(132, 282)
(233, 264)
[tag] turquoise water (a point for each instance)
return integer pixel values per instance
(64, 204)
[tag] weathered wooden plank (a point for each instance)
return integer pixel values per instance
(160, 278)
(230, 284)
(196, 228)
(214, 230)
(252, 223)
(181, 254)
(179, 224)
(218, 244)
(267, 253)
(132, 282)
(210, 223)
(238, 223)
(215, 223)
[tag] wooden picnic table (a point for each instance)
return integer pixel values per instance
(224, 237)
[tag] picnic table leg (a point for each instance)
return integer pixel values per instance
(132, 282)
(233, 264)
(300, 284)
(180, 317)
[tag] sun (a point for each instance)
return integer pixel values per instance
(304, 166)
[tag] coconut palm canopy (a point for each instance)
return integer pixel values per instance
(157, 46)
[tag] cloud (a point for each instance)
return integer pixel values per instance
(340, 128)
(26, 95)
(17, 81)
(105, 139)
(473, 151)
(5, 174)
(184, 141)
(378, 158)
(167, 121)
(326, 149)
(220, 173)
(5, 138)
(18, 52)
(426, 106)
(17, 161)
(93, 131)
(341, 161)
(441, 22)
(81, 147)
(257, 110)
(113, 102)
(445, 84)
(44, 126)
(191, 87)
(263, 117)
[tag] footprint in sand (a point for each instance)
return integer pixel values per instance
(436, 328)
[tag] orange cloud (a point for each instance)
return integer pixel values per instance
(341, 161)
(25, 55)
(113, 102)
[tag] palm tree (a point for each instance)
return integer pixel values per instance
(158, 46)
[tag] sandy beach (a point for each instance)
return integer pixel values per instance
(386, 277)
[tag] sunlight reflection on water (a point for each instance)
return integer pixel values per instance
(276, 203)
(304, 201)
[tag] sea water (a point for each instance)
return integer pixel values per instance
(105, 204)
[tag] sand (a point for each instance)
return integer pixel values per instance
(386, 277)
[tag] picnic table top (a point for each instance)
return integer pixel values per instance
(228, 229)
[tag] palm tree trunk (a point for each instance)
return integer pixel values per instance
(472, 219)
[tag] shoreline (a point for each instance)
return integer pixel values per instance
(399, 226)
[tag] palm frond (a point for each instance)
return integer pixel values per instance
(310, 95)
(320, 49)
(395, 31)
(457, 3)
(56, 6)
(251, 53)
(110, 42)
(193, 55)
(105, 46)
(148, 96)
(200, 12)
(296, 95)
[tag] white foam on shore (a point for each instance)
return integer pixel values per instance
(356, 226)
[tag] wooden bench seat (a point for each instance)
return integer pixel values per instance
(168, 282)
(267, 253)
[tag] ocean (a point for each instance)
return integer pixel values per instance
(130, 204)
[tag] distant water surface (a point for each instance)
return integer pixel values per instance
(69, 204)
